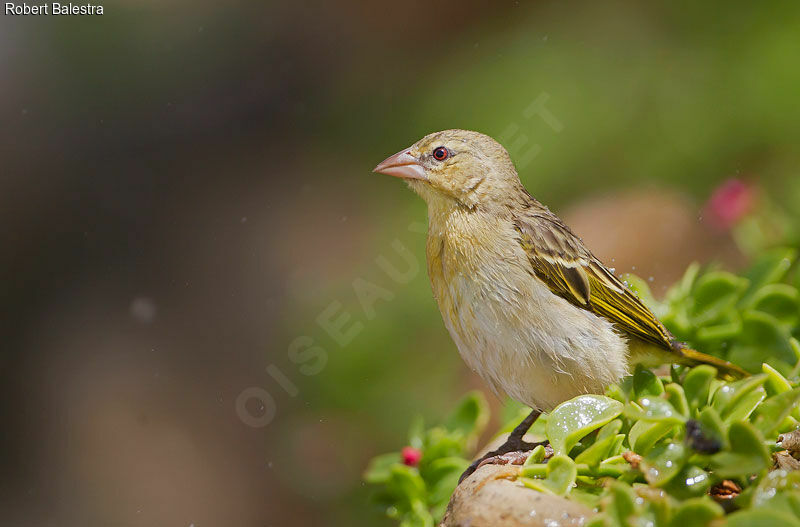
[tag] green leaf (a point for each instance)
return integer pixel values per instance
(570, 421)
(620, 506)
(681, 290)
(782, 301)
(439, 442)
(747, 454)
(677, 398)
(696, 385)
(654, 409)
(696, 512)
(379, 469)
(645, 383)
(776, 383)
(713, 425)
(773, 411)
(442, 478)
(728, 395)
(769, 268)
(746, 405)
(444, 466)
(406, 484)
(418, 516)
(714, 293)
(762, 518)
(536, 456)
(471, 415)
(774, 484)
(644, 434)
(795, 345)
(600, 450)
(763, 339)
(610, 429)
(561, 474)
(691, 482)
(663, 463)
(720, 332)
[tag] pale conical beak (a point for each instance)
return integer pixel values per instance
(403, 165)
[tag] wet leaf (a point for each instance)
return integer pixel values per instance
(728, 395)
(644, 434)
(561, 474)
(654, 409)
(692, 481)
(774, 482)
(745, 406)
(570, 421)
(663, 463)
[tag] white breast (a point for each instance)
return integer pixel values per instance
(519, 336)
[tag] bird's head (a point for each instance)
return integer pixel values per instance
(455, 168)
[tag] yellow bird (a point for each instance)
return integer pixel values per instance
(529, 307)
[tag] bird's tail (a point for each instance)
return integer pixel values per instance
(726, 369)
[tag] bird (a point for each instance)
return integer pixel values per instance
(531, 310)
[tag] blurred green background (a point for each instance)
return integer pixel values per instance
(186, 191)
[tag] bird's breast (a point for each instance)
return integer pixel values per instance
(507, 324)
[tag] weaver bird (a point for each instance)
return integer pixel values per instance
(529, 307)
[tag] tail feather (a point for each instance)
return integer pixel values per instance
(649, 355)
(725, 368)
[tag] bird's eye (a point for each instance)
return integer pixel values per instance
(440, 153)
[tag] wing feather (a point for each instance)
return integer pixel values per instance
(561, 261)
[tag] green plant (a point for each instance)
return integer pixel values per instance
(679, 447)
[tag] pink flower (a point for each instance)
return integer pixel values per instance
(730, 202)
(411, 456)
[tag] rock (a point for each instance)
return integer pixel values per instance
(486, 499)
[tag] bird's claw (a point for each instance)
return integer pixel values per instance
(510, 453)
(509, 458)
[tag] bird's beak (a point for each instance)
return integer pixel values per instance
(403, 165)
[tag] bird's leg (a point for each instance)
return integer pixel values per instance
(514, 450)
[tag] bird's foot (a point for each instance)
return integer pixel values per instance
(512, 452)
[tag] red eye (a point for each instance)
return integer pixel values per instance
(440, 153)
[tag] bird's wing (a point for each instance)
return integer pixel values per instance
(561, 261)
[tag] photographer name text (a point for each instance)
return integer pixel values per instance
(52, 9)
